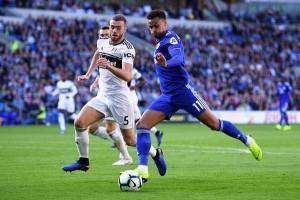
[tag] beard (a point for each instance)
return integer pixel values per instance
(116, 38)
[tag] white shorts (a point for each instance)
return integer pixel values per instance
(118, 107)
(136, 109)
(67, 105)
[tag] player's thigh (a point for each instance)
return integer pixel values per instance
(150, 118)
(209, 119)
(197, 107)
(129, 136)
(87, 116)
(110, 125)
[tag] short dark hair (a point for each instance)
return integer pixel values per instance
(104, 28)
(157, 13)
(119, 17)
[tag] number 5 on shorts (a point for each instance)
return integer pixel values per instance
(126, 120)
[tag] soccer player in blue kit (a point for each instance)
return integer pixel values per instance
(283, 91)
(177, 93)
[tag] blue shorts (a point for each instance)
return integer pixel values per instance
(187, 99)
(283, 106)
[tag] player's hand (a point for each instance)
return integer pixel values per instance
(103, 63)
(161, 60)
(83, 78)
(93, 87)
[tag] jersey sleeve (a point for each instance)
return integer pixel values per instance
(175, 51)
(128, 56)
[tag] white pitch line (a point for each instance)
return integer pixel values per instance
(206, 149)
(181, 148)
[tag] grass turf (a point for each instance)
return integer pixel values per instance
(201, 165)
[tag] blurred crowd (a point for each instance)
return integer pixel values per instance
(233, 69)
(238, 67)
(189, 10)
(127, 8)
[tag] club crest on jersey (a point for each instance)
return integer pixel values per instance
(173, 41)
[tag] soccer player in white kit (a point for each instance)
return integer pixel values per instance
(114, 57)
(66, 90)
(111, 131)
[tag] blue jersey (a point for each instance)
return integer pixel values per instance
(283, 91)
(174, 77)
(177, 90)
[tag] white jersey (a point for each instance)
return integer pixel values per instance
(117, 54)
(65, 89)
(136, 75)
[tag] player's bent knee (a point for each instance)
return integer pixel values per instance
(214, 125)
(92, 130)
(130, 141)
(79, 123)
(141, 124)
(109, 130)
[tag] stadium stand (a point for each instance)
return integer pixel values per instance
(233, 68)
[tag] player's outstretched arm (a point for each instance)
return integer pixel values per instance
(91, 69)
(176, 59)
(177, 56)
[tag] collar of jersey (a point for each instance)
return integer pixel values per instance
(117, 43)
(162, 37)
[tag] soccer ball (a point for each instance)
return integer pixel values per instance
(130, 181)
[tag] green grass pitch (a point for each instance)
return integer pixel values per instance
(202, 164)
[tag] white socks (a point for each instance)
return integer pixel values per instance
(152, 151)
(61, 121)
(101, 132)
(153, 130)
(82, 142)
(117, 137)
(143, 168)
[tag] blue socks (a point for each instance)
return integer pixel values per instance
(143, 145)
(229, 129)
(283, 117)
